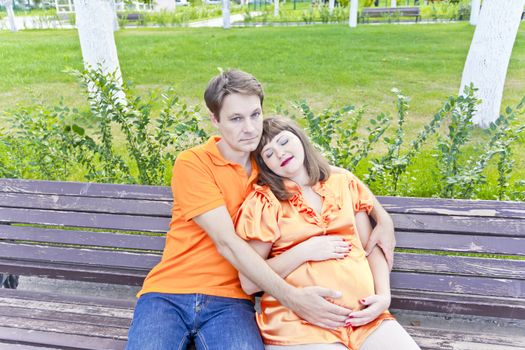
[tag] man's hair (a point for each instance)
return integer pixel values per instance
(230, 82)
(316, 166)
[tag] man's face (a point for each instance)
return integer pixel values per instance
(240, 123)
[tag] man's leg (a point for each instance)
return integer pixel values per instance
(227, 324)
(161, 322)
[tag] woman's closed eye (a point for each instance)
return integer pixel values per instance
(283, 141)
(268, 154)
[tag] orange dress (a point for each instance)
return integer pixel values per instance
(287, 223)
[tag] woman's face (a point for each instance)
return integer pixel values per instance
(284, 155)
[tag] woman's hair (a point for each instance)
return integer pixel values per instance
(316, 166)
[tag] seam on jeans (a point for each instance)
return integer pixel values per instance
(201, 338)
(185, 337)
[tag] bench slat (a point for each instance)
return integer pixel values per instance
(89, 238)
(59, 315)
(91, 220)
(86, 189)
(460, 224)
(68, 299)
(451, 303)
(459, 265)
(429, 338)
(86, 204)
(90, 257)
(458, 284)
(48, 334)
(460, 243)
(462, 207)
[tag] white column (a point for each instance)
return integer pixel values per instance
(331, 4)
(352, 20)
(8, 4)
(489, 55)
(226, 14)
(474, 12)
(276, 8)
(393, 3)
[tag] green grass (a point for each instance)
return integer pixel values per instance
(326, 65)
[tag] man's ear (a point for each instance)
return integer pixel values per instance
(213, 119)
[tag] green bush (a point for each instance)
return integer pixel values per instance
(128, 143)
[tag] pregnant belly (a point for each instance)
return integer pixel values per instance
(350, 276)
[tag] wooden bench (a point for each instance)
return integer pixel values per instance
(131, 17)
(389, 12)
(114, 234)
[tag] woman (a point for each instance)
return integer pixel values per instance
(311, 227)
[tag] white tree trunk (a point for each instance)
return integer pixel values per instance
(226, 14)
(276, 8)
(331, 6)
(393, 3)
(95, 29)
(8, 4)
(489, 55)
(116, 26)
(167, 5)
(474, 11)
(352, 20)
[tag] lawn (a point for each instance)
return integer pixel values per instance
(327, 65)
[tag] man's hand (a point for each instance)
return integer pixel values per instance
(310, 304)
(375, 305)
(383, 236)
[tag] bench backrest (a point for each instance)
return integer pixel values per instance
(47, 229)
(380, 11)
(459, 255)
(115, 233)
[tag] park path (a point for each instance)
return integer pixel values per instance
(40, 22)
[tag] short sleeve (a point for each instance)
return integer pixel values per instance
(194, 188)
(361, 196)
(258, 218)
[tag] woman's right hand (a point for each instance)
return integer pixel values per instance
(326, 247)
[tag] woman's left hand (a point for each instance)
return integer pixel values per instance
(374, 306)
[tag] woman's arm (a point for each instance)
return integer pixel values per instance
(316, 248)
(380, 301)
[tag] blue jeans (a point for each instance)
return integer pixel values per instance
(172, 321)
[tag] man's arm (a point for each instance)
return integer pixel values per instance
(317, 248)
(383, 232)
(309, 303)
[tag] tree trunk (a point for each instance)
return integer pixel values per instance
(116, 26)
(95, 29)
(226, 14)
(10, 13)
(489, 55)
(352, 21)
(331, 6)
(474, 12)
(276, 8)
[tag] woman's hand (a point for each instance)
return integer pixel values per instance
(375, 305)
(320, 248)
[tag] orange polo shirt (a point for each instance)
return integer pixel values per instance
(202, 180)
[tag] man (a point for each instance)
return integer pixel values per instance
(194, 293)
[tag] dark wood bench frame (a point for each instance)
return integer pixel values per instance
(367, 12)
(47, 230)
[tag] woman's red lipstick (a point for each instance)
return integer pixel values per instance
(286, 161)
